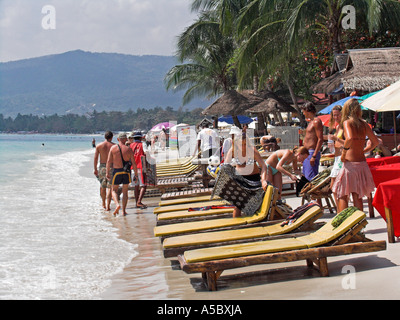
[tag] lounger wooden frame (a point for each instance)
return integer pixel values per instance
(315, 257)
(174, 246)
(263, 214)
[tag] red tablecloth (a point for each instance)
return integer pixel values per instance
(385, 173)
(373, 162)
(388, 195)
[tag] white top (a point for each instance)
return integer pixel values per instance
(209, 139)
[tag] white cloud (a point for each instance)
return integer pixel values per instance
(123, 26)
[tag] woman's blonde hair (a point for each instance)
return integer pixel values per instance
(301, 150)
(352, 109)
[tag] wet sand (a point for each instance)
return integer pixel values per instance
(150, 276)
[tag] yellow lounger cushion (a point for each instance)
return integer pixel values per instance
(240, 234)
(187, 227)
(187, 200)
(322, 236)
(191, 214)
(186, 206)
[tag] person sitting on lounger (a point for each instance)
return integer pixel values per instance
(247, 161)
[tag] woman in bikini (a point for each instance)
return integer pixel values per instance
(355, 177)
(248, 163)
(338, 139)
(278, 159)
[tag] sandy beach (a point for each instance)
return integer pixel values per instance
(150, 276)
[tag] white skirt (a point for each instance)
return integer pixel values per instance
(336, 167)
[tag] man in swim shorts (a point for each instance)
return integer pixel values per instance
(312, 141)
(101, 152)
(117, 158)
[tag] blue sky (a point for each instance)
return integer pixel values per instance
(138, 27)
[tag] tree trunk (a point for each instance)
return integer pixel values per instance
(303, 122)
(334, 29)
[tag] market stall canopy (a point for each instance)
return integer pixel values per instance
(231, 103)
(386, 100)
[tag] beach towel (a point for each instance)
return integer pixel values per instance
(244, 194)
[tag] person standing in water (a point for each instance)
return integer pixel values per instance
(121, 158)
(101, 153)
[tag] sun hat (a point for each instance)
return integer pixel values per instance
(122, 135)
(137, 134)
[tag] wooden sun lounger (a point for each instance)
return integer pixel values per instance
(314, 248)
(176, 171)
(178, 183)
(189, 227)
(190, 216)
(187, 194)
(186, 206)
(174, 246)
(182, 200)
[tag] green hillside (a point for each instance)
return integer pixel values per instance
(79, 82)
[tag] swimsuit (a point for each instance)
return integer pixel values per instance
(273, 170)
(104, 183)
(120, 176)
(311, 171)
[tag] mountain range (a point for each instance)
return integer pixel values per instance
(80, 82)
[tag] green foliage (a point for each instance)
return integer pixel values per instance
(142, 119)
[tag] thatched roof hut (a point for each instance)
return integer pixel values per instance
(364, 70)
(271, 103)
(231, 103)
(371, 69)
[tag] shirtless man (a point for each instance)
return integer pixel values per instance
(102, 150)
(120, 176)
(312, 141)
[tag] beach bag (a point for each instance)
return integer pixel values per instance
(242, 193)
(127, 164)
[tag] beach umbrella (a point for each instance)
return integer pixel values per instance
(229, 119)
(387, 99)
(341, 102)
(325, 118)
(162, 125)
(363, 98)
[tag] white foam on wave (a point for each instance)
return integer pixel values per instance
(56, 243)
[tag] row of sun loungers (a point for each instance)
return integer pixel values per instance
(216, 243)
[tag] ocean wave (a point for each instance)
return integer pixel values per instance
(56, 242)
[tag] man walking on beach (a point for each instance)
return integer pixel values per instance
(121, 159)
(312, 141)
(101, 152)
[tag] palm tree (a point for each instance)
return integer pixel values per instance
(205, 56)
(308, 16)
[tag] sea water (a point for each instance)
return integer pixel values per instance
(55, 242)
